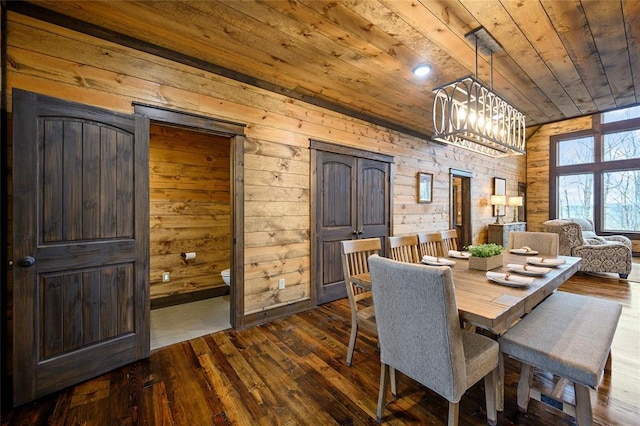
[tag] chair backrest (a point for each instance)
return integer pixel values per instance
(546, 243)
(418, 327)
(449, 240)
(354, 261)
(431, 244)
(404, 248)
(569, 233)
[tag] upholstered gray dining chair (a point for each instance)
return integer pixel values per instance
(545, 243)
(419, 334)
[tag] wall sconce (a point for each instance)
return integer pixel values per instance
(515, 202)
(498, 200)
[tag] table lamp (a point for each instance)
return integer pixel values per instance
(498, 200)
(515, 202)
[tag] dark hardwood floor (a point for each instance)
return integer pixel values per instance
(292, 371)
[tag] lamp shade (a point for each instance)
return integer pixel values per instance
(498, 200)
(515, 201)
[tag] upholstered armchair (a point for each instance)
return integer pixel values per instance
(599, 254)
(589, 234)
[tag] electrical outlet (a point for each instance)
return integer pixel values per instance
(281, 283)
(166, 277)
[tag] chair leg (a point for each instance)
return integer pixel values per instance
(583, 405)
(382, 392)
(624, 276)
(500, 383)
(352, 342)
(524, 386)
(454, 410)
(394, 385)
(490, 394)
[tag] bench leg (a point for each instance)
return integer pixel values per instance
(583, 405)
(607, 366)
(524, 386)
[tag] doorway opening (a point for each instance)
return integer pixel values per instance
(195, 225)
(460, 205)
(189, 233)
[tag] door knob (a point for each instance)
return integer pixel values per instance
(27, 261)
(354, 232)
(360, 232)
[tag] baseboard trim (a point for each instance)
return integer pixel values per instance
(275, 313)
(178, 299)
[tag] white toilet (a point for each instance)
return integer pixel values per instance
(226, 276)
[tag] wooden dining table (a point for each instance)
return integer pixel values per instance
(492, 306)
(495, 307)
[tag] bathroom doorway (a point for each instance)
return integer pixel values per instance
(189, 232)
(193, 234)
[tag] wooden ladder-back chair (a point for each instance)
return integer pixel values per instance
(431, 245)
(404, 248)
(449, 240)
(354, 261)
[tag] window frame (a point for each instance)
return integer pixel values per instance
(597, 168)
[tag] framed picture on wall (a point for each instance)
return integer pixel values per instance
(425, 187)
(499, 188)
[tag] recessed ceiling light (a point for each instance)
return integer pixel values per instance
(422, 70)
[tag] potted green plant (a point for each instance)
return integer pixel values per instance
(485, 256)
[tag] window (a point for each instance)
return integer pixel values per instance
(575, 196)
(621, 145)
(621, 195)
(595, 174)
(621, 114)
(575, 151)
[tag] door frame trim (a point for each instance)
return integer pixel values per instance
(466, 203)
(236, 134)
(316, 145)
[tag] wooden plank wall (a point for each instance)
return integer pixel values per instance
(190, 209)
(54, 61)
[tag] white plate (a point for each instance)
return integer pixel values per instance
(437, 261)
(541, 261)
(459, 254)
(523, 251)
(533, 271)
(510, 280)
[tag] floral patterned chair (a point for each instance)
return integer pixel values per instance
(598, 253)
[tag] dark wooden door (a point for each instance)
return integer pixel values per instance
(352, 201)
(80, 281)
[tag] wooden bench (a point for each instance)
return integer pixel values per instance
(570, 336)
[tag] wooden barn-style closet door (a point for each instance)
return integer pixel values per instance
(80, 276)
(352, 200)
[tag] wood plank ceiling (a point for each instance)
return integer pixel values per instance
(560, 59)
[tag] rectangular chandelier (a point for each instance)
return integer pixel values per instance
(470, 115)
